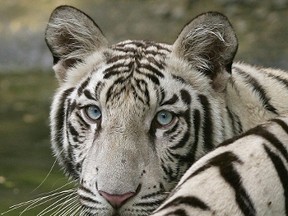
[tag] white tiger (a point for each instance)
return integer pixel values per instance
(246, 175)
(129, 119)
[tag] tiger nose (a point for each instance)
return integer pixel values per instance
(116, 200)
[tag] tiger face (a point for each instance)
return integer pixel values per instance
(129, 119)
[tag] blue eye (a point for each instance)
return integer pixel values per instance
(164, 117)
(93, 112)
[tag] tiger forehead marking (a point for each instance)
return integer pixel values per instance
(130, 78)
(129, 64)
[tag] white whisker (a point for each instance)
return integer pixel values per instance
(63, 207)
(57, 190)
(53, 165)
(74, 209)
(38, 201)
(84, 212)
(54, 205)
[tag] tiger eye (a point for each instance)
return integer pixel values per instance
(93, 112)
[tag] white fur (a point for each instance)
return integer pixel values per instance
(116, 151)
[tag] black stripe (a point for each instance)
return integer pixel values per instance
(59, 122)
(151, 203)
(82, 86)
(282, 173)
(233, 178)
(117, 58)
(232, 140)
(126, 50)
(112, 93)
(162, 95)
(170, 101)
(151, 54)
(88, 94)
(185, 96)
(182, 142)
(171, 131)
(143, 87)
(118, 69)
(257, 87)
(196, 125)
(86, 190)
(114, 73)
(207, 124)
(171, 175)
(178, 78)
(72, 107)
(281, 123)
(278, 78)
(223, 159)
(230, 115)
(154, 194)
(88, 200)
(82, 122)
(145, 44)
(273, 140)
(226, 157)
(69, 162)
(262, 132)
(178, 212)
(160, 47)
(152, 69)
(73, 132)
(225, 162)
(98, 89)
(239, 124)
(190, 201)
(151, 59)
(152, 77)
(137, 96)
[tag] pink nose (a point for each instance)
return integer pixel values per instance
(117, 200)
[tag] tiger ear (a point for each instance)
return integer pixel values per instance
(71, 35)
(209, 44)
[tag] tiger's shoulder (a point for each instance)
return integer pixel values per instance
(245, 175)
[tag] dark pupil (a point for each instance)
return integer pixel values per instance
(163, 115)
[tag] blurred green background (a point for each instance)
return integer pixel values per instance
(27, 82)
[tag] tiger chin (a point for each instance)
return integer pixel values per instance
(129, 119)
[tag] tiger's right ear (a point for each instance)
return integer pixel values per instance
(208, 43)
(71, 35)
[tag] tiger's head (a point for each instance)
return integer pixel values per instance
(129, 119)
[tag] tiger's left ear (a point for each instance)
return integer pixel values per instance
(209, 44)
(71, 36)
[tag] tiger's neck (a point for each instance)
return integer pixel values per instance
(250, 97)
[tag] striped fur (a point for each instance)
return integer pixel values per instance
(127, 150)
(246, 175)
